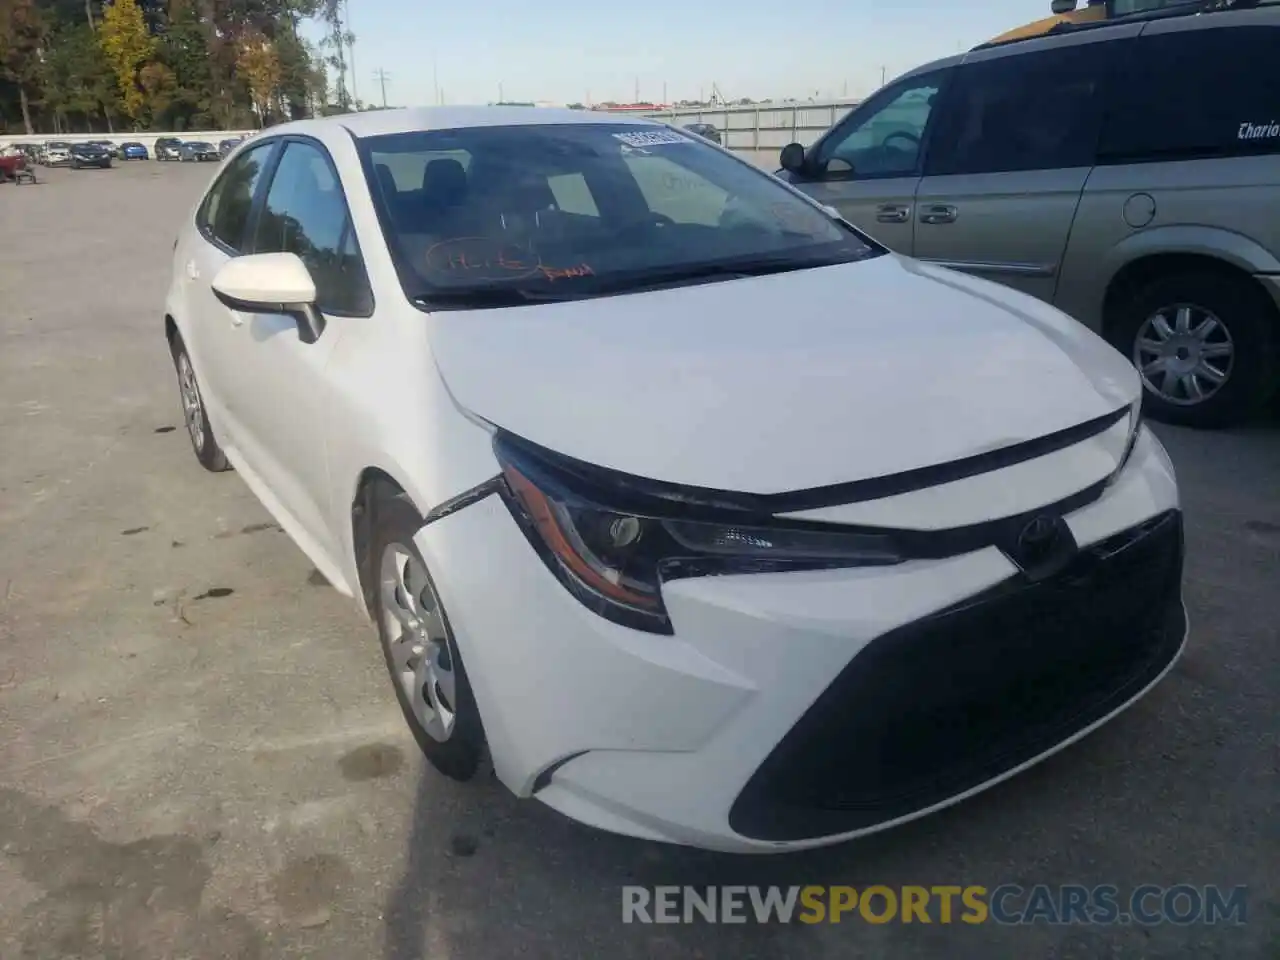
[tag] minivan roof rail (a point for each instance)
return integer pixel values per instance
(1190, 8)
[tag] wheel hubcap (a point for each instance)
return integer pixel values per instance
(418, 641)
(192, 408)
(1184, 354)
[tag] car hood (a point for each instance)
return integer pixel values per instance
(783, 382)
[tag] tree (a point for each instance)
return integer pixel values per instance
(21, 30)
(127, 46)
(76, 78)
(260, 67)
(160, 88)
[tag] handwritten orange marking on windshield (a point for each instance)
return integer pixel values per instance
(479, 256)
(566, 273)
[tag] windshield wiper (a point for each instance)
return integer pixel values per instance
(727, 270)
(478, 298)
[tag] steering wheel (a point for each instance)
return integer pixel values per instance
(911, 139)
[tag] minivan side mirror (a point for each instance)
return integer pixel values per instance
(792, 158)
(271, 283)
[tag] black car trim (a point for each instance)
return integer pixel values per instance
(815, 498)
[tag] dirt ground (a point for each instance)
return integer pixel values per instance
(201, 757)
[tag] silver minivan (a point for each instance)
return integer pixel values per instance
(1126, 171)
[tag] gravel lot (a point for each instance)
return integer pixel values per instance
(200, 754)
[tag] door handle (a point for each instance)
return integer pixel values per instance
(893, 213)
(938, 213)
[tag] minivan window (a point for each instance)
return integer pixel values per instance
(1227, 105)
(510, 214)
(884, 140)
(1030, 111)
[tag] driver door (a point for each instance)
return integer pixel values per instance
(869, 165)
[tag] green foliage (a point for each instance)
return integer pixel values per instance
(83, 65)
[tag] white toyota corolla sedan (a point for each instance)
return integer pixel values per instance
(706, 517)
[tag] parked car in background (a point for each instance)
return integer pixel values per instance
(1091, 169)
(89, 155)
(226, 146)
(110, 146)
(132, 150)
(705, 130)
(198, 150)
(57, 153)
(168, 148)
(938, 548)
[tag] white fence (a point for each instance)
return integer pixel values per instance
(760, 130)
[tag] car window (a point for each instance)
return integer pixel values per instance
(676, 192)
(883, 140)
(568, 209)
(1035, 111)
(306, 213)
(1229, 105)
(225, 213)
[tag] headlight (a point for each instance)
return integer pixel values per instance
(613, 548)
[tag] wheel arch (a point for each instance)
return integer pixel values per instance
(1145, 269)
(361, 520)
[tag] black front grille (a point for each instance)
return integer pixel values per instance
(944, 704)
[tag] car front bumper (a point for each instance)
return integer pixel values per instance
(794, 710)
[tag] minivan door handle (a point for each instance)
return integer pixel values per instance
(893, 213)
(938, 213)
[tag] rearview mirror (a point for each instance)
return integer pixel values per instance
(271, 283)
(792, 158)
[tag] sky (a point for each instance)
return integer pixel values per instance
(568, 51)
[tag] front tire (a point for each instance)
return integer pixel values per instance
(1205, 345)
(426, 668)
(203, 443)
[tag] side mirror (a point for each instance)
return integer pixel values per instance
(272, 283)
(792, 158)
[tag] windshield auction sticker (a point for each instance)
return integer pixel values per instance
(649, 138)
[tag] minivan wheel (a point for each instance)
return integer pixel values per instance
(1204, 345)
(426, 668)
(203, 442)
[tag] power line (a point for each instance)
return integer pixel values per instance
(382, 77)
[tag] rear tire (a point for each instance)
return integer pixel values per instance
(203, 443)
(427, 673)
(1239, 345)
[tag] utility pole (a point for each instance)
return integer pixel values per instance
(637, 99)
(435, 78)
(351, 45)
(882, 69)
(382, 77)
(664, 92)
(501, 98)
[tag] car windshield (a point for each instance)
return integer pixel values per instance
(511, 214)
(57, 145)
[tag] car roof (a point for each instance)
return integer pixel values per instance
(373, 123)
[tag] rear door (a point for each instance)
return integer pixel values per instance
(868, 165)
(1014, 145)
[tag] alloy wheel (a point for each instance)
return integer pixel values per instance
(1184, 354)
(192, 406)
(418, 641)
